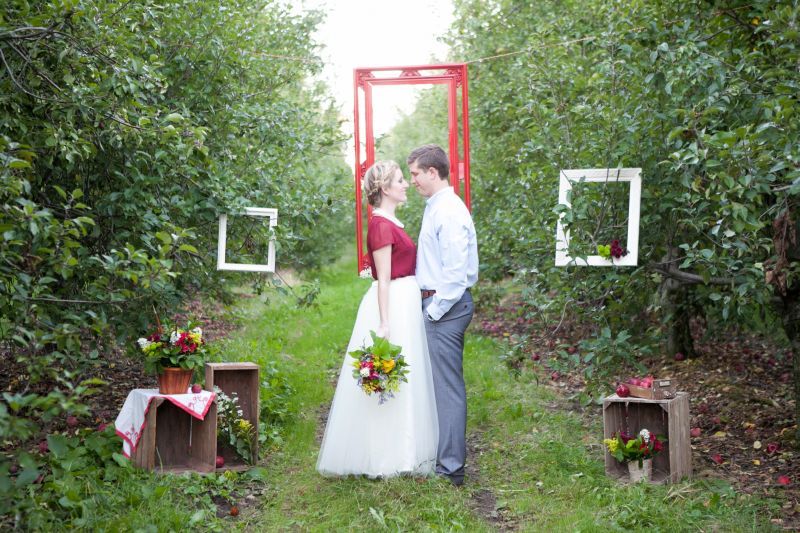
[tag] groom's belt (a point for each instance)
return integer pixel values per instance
(426, 293)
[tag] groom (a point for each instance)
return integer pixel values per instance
(447, 266)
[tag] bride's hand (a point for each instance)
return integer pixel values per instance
(383, 331)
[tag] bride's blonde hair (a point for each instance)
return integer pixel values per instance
(376, 178)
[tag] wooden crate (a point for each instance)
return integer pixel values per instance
(662, 389)
(667, 417)
(242, 379)
(174, 441)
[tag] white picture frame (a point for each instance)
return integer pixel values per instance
(261, 212)
(633, 176)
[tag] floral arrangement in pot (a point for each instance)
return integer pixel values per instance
(637, 452)
(173, 354)
(236, 431)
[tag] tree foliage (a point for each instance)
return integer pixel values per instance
(701, 95)
(126, 129)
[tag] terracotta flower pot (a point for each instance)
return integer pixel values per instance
(174, 381)
(645, 473)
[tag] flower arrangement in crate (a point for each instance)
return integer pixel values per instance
(173, 354)
(637, 452)
(233, 428)
(380, 368)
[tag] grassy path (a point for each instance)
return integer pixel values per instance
(534, 466)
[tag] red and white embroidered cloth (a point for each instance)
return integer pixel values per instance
(130, 421)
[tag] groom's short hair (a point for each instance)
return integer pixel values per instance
(431, 155)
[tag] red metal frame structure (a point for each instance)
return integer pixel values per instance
(454, 76)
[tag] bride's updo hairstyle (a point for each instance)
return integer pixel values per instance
(377, 177)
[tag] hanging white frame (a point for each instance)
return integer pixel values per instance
(601, 175)
(262, 212)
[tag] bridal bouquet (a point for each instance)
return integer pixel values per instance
(380, 368)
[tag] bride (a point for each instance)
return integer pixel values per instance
(400, 436)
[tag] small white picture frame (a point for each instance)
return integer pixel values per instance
(600, 175)
(262, 212)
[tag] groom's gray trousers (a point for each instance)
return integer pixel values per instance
(446, 347)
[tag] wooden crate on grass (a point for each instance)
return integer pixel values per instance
(174, 441)
(667, 417)
(242, 380)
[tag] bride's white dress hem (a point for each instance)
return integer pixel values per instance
(400, 436)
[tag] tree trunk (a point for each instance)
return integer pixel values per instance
(676, 304)
(791, 324)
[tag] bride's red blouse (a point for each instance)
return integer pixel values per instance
(381, 232)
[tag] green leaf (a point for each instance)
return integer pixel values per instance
(58, 445)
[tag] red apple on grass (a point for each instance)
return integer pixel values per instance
(72, 421)
(784, 480)
(717, 458)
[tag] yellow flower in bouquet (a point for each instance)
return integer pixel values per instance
(380, 368)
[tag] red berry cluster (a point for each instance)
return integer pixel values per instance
(617, 251)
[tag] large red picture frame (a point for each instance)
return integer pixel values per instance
(454, 76)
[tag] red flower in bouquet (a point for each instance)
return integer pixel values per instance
(379, 369)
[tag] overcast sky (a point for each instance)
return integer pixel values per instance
(377, 33)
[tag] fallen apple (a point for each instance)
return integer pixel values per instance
(72, 421)
(623, 391)
(43, 448)
(695, 432)
(772, 447)
(679, 356)
(220, 461)
(717, 458)
(784, 480)
(234, 511)
(535, 357)
(555, 375)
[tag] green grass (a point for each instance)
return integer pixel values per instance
(535, 465)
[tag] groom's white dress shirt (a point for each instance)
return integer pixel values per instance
(447, 252)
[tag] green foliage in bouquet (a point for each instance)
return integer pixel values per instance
(233, 428)
(625, 448)
(380, 368)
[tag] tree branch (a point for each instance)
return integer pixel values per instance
(689, 278)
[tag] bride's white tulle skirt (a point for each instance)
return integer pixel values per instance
(400, 436)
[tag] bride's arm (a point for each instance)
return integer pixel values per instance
(383, 268)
